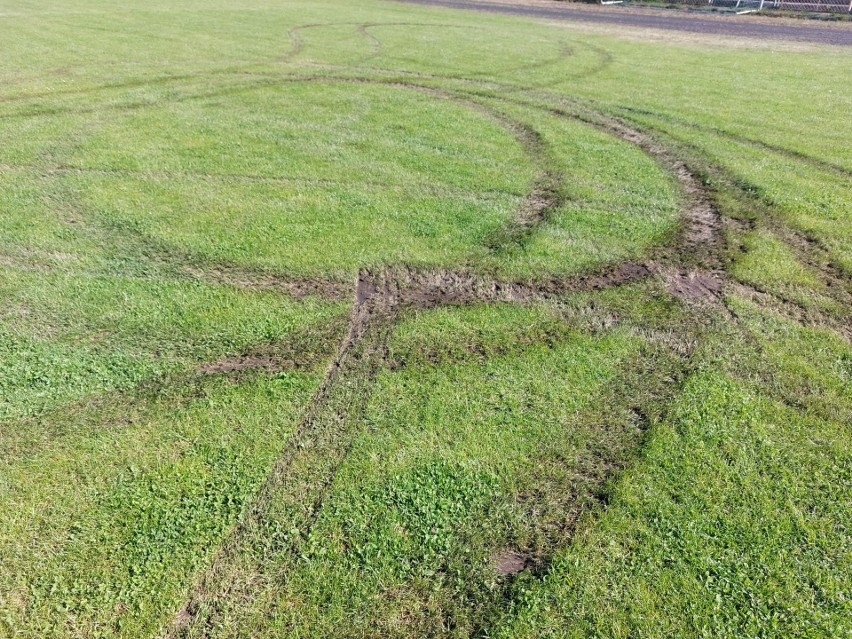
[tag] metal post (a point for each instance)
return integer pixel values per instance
(760, 8)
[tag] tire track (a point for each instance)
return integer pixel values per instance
(565, 51)
(225, 580)
(808, 249)
(295, 487)
(693, 266)
(791, 309)
(792, 154)
(542, 198)
(294, 491)
(49, 170)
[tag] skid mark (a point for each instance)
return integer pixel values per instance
(320, 443)
(296, 485)
(254, 555)
(792, 154)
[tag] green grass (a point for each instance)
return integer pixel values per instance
(732, 524)
(104, 522)
(441, 477)
(170, 173)
(66, 337)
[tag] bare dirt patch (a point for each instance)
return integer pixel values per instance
(231, 364)
(705, 285)
(510, 562)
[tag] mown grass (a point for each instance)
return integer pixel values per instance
(454, 448)
(105, 519)
(734, 521)
(67, 337)
(661, 467)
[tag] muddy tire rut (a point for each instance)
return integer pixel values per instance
(254, 556)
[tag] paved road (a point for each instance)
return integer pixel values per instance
(727, 24)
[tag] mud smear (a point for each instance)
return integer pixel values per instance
(303, 351)
(451, 287)
(423, 289)
(510, 562)
(597, 280)
(248, 362)
(696, 285)
(250, 279)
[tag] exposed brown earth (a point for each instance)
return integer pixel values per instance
(694, 284)
(510, 563)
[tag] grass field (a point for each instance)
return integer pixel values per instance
(327, 319)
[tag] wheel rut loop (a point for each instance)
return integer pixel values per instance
(257, 555)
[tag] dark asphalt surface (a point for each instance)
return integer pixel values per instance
(718, 24)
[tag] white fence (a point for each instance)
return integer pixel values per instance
(833, 6)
